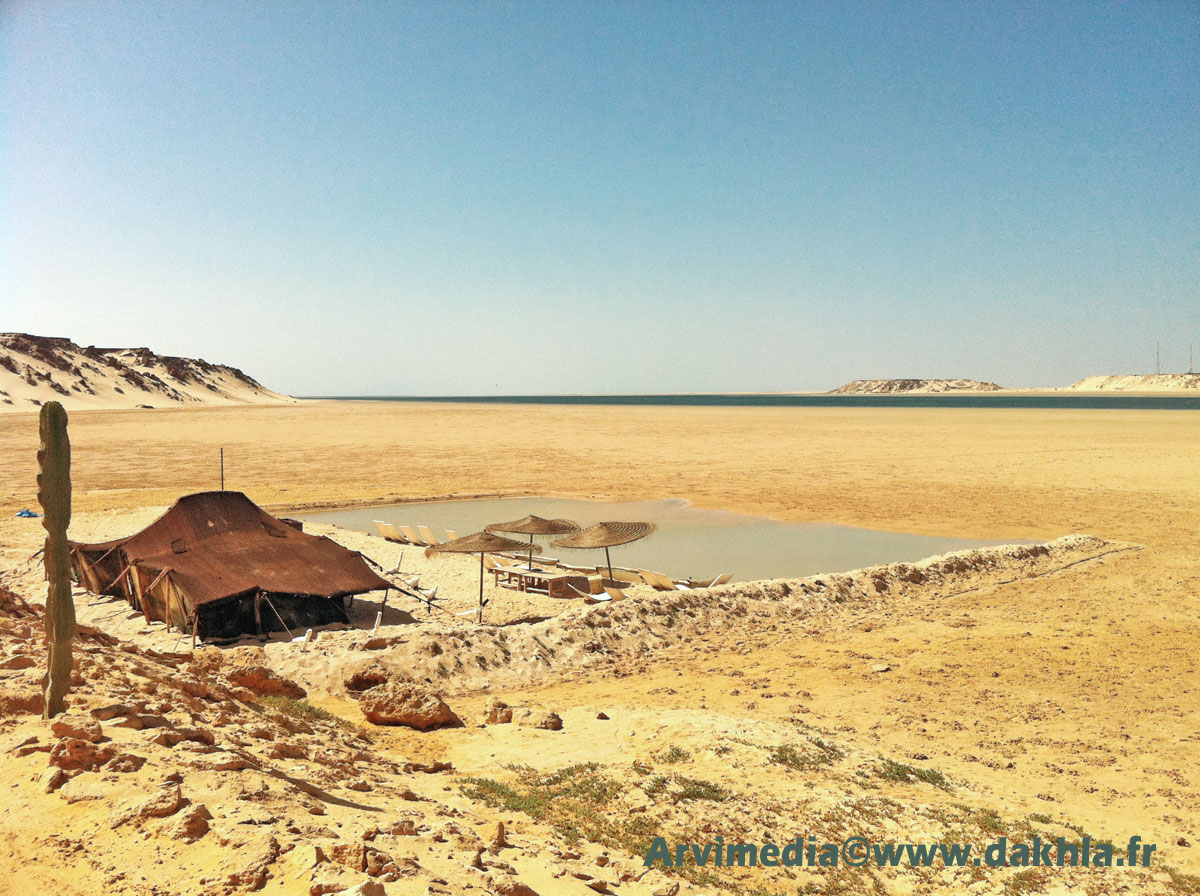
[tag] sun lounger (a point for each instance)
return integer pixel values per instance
(413, 538)
(661, 582)
(575, 592)
(451, 535)
(388, 531)
(585, 570)
(428, 536)
(614, 593)
(627, 575)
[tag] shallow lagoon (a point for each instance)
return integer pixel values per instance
(688, 542)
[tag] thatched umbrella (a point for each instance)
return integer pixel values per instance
(605, 535)
(480, 543)
(534, 525)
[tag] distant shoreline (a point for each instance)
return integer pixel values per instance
(1008, 398)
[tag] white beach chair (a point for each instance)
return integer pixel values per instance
(411, 535)
(451, 535)
(661, 582)
(622, 574)
(584, 570)
(427, 534)
(388, 531)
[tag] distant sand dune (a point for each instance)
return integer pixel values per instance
(1146, 382)
(37, 369)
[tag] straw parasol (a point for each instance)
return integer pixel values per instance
(605, 535)
(480, 543)
(534, 525)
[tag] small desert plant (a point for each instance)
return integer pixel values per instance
(1183, 884)
(675, 754)
(697, 789)
(305, 711)
(1031, 880)
(901, 773)
(793, 758)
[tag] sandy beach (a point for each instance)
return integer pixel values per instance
(1062, 687)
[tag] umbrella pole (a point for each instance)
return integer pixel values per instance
(531, 550)
(608, 560)
(479, 617)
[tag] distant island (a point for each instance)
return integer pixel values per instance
(880, 387)
(37, 369)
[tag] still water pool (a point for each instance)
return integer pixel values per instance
(689, 542)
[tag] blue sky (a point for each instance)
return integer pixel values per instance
(472, 198)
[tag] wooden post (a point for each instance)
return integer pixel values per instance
(258, 611)
(54, 494)
(479, 616)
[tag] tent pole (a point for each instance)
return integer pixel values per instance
(258, 611)
(479, 617)
(277, 616)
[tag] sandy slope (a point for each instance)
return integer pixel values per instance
(1148, 382)
(1070, 695)
(37, 369)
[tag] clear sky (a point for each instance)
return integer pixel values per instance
(474, 198)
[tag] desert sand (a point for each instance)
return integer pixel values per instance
(1052, 692)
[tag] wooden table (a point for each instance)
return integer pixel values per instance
(554, 583)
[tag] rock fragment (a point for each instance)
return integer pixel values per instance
(408, 704)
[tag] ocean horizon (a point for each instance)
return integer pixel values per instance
(1091, 401)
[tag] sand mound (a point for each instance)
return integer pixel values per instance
(37, 369)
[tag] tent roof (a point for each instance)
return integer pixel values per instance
(220, 545)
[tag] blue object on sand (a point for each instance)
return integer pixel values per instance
(27, 513)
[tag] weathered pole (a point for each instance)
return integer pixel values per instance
(54, 494)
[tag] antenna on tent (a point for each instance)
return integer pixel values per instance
(222, 469)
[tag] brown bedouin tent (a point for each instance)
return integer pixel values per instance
(219, 566)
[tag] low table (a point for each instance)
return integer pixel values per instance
(553, 583)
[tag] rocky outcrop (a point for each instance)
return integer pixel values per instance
(36, 369)
(408, 704)
(883, 387)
